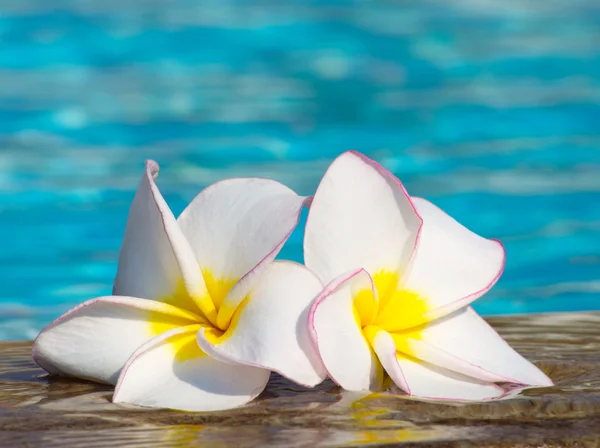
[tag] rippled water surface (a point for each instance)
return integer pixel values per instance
(38, 410)
(491, 110)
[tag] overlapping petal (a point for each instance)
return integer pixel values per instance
(465, 343)
(424, 380)
(223, 314)
(425, 268)
(270, 330)
(236, 227)
(94, 340)
(452, 266)
(361, 217)
(208, 273)
(336, 330)
(171, 371)
(156, 261)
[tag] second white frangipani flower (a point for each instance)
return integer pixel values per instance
(400, 276)
(200, 313)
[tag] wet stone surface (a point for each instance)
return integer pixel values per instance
(37, 410)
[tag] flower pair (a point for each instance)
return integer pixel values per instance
(201, 312)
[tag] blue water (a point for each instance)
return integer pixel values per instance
(490, 109)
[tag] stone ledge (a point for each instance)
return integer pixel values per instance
(36, 410)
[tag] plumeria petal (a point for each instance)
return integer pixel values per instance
(171, 371)
(420, 379)
(156, 261)
(336, 330)
(236, 227)
(270, 328)
(452, 265)
(94, 340)
(465, 343)
(361, 217)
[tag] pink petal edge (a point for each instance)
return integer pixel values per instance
(391, 355)
(329, 288)
(271, 255)
(152, 169)
(464, 301)
(189, 276)
(497, 378)
(211, 350)
(492, 377)
(384, 172)
(143, 349)
(406, 387)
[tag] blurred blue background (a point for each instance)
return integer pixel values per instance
(489, 108)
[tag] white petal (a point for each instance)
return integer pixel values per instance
(156, 261)
(270, 329)
(94, 340)
(423, 380)
(361, 217)
(171, 371)
(452, 265)
(344, 350)
(236, 227)
(465, 343)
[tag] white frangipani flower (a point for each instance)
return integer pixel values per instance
(400, 275)
(200, 313)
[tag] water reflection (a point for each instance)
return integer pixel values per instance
(52, 412)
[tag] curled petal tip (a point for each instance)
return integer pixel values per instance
(152, 167)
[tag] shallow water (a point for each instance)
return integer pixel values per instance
(52, 412)
(492, 112)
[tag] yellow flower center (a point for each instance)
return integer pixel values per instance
(398, 311)
(185, 345)
(217, 288)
